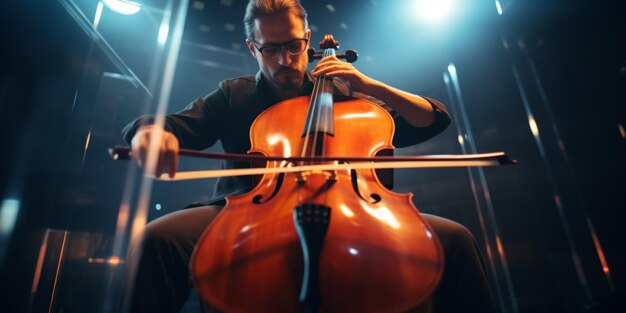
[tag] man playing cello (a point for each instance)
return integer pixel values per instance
(278, 37)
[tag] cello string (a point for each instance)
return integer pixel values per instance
(309, 121)
(315, 97)
(311, 115)
(322, 94)
(317, 108)
(328, 109)
(323, 118)
(319, 84)
(309, 118)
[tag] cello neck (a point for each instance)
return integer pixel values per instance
(320, 113)
(319, 121)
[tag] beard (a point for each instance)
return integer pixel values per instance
(287, 78)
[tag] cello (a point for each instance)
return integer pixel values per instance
(320, 240)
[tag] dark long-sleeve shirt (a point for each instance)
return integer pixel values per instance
(227, 113)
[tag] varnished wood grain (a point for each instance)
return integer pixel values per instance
(376, 257)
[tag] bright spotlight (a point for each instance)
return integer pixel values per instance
(123, 6)
(498, 7)
(163, 32)
(8, 216)
(452, 70)
(433, 9)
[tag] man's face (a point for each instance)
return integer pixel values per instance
(286, 71)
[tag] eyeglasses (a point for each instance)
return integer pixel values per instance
(272, 51)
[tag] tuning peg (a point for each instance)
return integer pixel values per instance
(349, 56)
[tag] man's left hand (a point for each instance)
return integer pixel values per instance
(331, 66)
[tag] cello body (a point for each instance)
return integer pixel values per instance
(331, 241)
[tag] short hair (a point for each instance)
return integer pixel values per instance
(260, 8)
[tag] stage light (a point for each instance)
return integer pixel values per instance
(164, 31)
(123, 6)
(533, 126)
(452, 70)
(498, 7)
(8, 215)
(96, 18)
(433, 9)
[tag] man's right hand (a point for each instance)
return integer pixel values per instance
(168, 149)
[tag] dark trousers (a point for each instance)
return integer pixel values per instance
(163, 279)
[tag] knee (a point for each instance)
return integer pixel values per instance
(156, 243)
(155, 235)
(453, 236)
(460, 235)
(178, 231)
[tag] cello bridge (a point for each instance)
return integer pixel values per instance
(330, 176)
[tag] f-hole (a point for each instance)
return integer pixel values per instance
(258, 199)
(372, 198)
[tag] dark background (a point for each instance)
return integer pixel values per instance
(546, 226)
